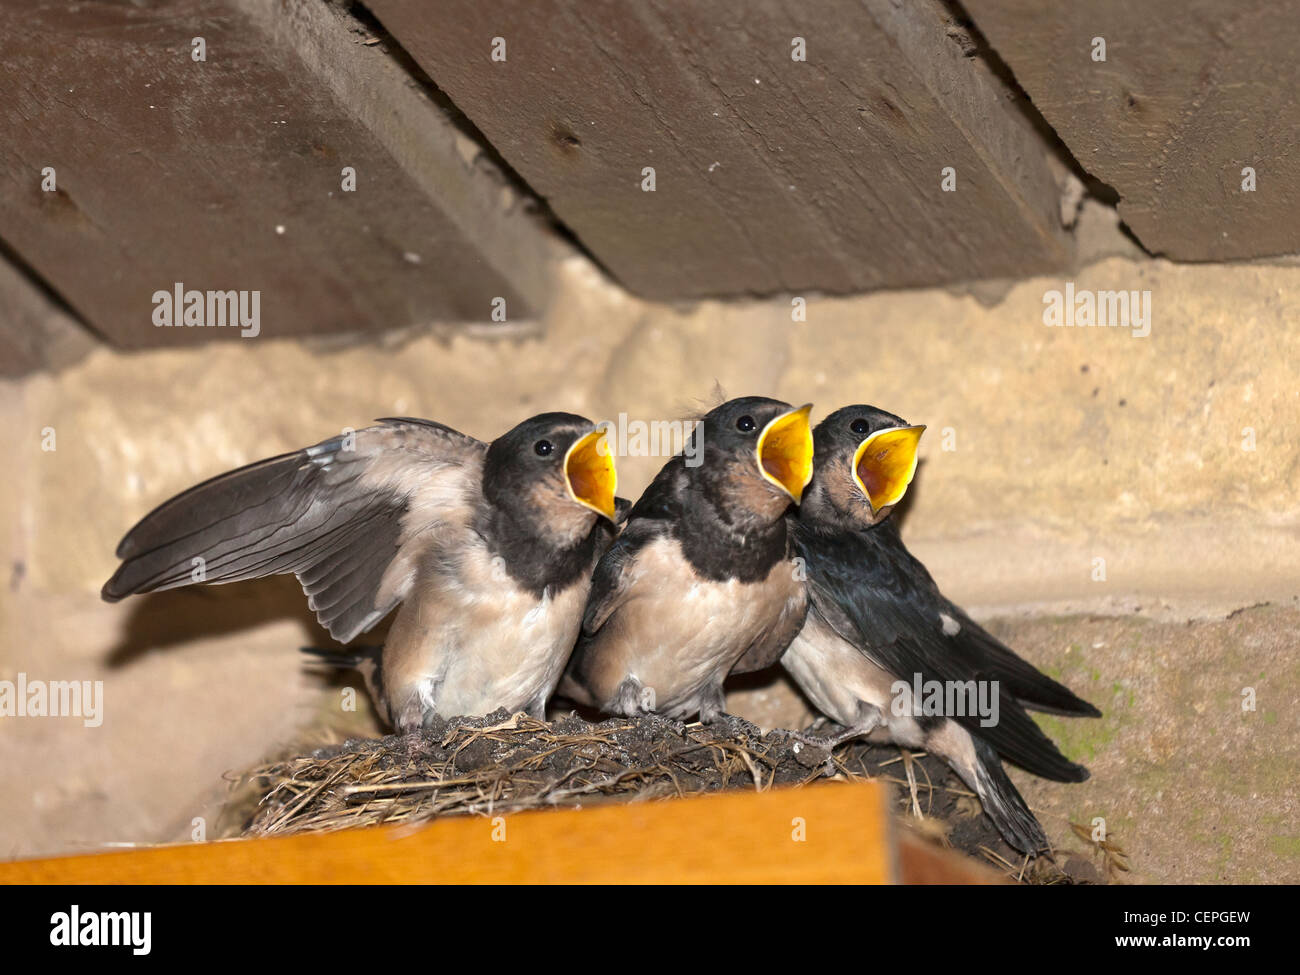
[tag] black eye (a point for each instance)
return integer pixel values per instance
(543, 447)
(860, 427)
(745, 424)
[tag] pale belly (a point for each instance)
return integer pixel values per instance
(511, 666)
(678, 642)
(469, 655)
(682, 649)
(838, 679)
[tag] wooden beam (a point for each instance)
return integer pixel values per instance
(771, 174)
(1190, 93)
(733, 837)
(35, 332)
(227, 173)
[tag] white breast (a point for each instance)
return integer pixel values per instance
(471, 641)
(836, 676)
(680, 640)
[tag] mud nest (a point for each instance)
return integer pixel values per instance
(505, 763)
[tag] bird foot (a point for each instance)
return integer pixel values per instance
(827, 742)
(868, 720)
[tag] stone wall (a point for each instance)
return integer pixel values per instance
(1173, 457)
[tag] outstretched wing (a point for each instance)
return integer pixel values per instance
(338, 515)
(880, 599)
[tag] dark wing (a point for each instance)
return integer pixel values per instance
(879, 602)
(609, 588)
(336, 515)
(980, 648)
(661, 501)
(622, 508)
(651, 517)
(609, 581)
(777, 639)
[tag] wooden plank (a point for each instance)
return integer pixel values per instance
(1190, 93)
(227, 174)
(921, 862)
(733, 837)
(770, 174)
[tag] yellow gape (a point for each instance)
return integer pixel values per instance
(884, 464)
(785, 451)
(590, 474)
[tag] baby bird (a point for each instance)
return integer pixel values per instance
(702, 579)
(488, 548)
(879, 634)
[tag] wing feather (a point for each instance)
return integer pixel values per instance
(886, 605)
(609, 581)
(336, 515)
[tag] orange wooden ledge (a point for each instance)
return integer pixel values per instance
(831, 833)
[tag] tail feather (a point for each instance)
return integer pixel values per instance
(367, 660)
(1004, 803)
(1018, 738)
(352, 658)
(1030, 686)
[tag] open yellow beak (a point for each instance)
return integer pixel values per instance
(590, 475)
(884, 464)
(785, 452)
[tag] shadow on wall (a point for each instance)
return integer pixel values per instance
(162, 620)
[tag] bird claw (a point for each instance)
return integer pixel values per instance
(868, 720)
(826, 742)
